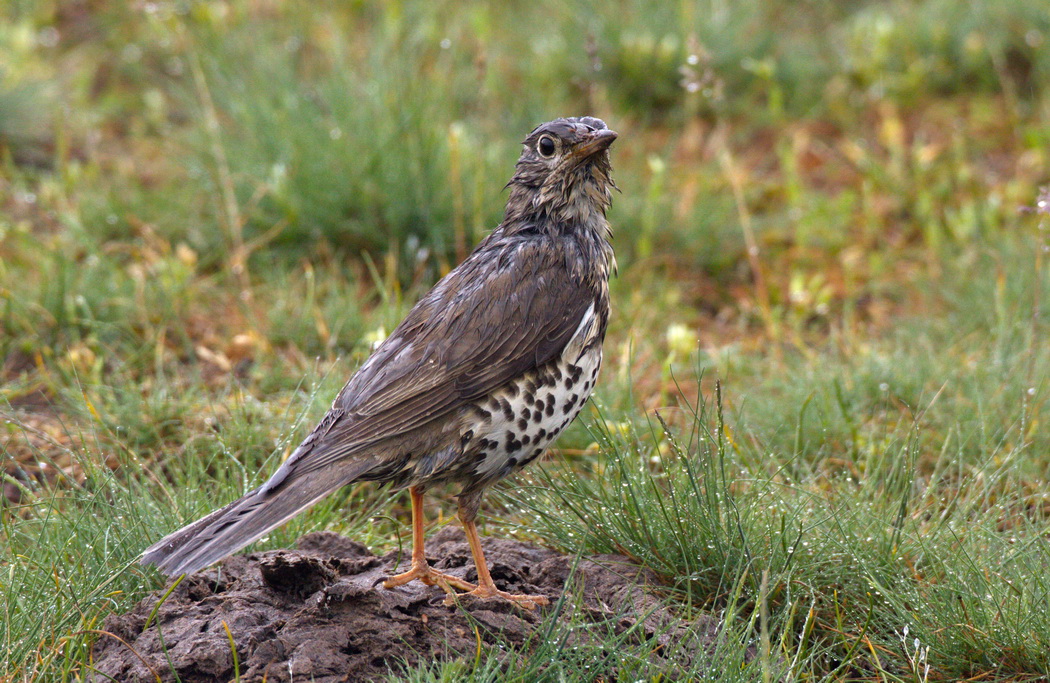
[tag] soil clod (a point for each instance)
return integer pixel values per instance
(319, 613)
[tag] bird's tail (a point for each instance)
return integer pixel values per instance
(229, 529)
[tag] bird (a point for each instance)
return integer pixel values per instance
(484, 372)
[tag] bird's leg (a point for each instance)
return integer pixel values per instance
(420, 569)
(486, 587)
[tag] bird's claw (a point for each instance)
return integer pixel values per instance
(448, 583)
(483, 592)
(430, 577)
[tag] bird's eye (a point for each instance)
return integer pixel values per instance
(546, 146)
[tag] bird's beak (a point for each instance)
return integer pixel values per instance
(598, 141)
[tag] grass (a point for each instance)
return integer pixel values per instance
(823, 412)
(562, 651)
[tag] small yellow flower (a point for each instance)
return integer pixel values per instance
(681, 339)
(375, 337)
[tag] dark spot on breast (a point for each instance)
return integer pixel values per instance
(539, 404)
(523, 423)
(508, 412)
(550, 409)
(530, 387)
(567, 408)
(530, 399)
(512, 462)
(512, 389)
(525, 412)
(525, 440)
(540, 434)
(537, 415)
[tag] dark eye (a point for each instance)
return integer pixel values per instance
(546, 146)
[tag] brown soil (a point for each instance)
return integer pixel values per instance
(319, 614)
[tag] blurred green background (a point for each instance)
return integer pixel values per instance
(209, 212)
(385, 126)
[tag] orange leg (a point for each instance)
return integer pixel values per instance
(420, 569)
(486, 587)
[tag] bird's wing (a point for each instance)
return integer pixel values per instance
(499, 314)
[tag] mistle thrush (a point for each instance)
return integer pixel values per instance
(484, 372)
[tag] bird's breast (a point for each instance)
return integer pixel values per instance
(514, 425)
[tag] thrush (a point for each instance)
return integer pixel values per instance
(485, 371)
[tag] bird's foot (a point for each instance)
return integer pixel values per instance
(430, 577)
(489, 592)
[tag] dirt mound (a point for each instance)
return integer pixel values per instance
(319, 614)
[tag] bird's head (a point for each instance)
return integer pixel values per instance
(563, 175)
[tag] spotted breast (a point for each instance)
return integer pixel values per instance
(512, 426)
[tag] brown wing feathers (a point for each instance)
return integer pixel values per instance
(519, 318)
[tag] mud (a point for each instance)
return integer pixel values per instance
(319, 614)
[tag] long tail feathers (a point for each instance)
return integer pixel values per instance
(229, 529)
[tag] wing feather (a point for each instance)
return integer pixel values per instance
(504, 311)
